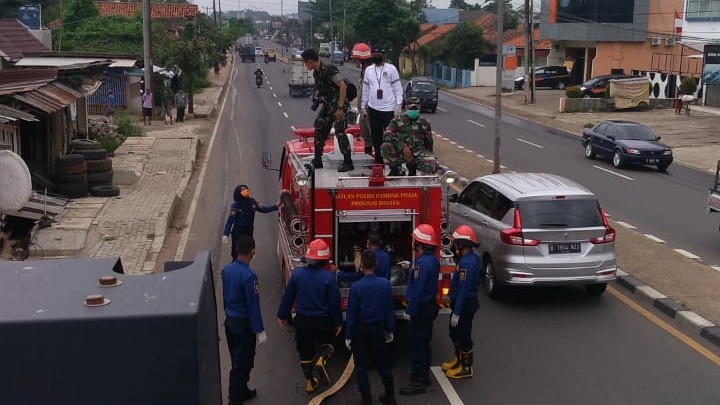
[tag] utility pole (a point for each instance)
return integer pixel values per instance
(532, 54)
(220, 12)
(528, 39)
(214, 14)
(147, 44)
(332, 32)
(498, 83)
(343, 38)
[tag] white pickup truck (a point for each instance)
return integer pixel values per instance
(302, 81)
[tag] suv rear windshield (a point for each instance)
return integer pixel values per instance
(559, 214)
(424, 86)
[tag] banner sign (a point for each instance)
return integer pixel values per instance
(359, 199)
(711, 70)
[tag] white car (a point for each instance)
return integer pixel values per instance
(259, 51)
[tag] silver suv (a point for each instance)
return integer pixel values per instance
(537, 229)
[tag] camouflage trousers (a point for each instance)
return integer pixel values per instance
(392, 155)
(324, 122)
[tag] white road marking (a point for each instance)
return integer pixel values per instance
(292, 127)
(274, 95)
(480, 156)
(530, 143)
(476, 123)
(490, 160)
(653, 238)
(626, 225)
(285, 114)
(279, 104)
(503, 167)
(447, 388)
(461, 147)
(442, 109)
(687, 254)
(612, 172)
(469, 151)
(270, 87)
(453, 143)
(716, 268)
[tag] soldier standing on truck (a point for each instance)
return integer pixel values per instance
(318, 318)
(422, 308)
(408, 139)
(330, 91)
(464, 287)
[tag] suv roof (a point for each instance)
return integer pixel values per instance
(421, 79)
(518, 186)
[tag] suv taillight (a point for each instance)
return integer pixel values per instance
(514, 236)
(609, 231)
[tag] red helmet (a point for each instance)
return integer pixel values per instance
(318, 249)
(464, 232)
(361, 50)
(425, 234)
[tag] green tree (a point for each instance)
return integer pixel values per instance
(511, 17)
(393, 24)
(464, 43)
(77, 11)
(108, 34)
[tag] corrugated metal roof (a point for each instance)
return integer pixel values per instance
(61, 63)
(49, 98)
(17, 80)
(9, 114)
(16, 39)
(123, 63)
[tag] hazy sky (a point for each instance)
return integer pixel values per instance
(273, 6)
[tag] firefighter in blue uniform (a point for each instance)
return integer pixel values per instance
(422, 307)
(464, 287)
(370, 325)
(374, 242)
(243, 321)
(241, 220)
(318, 318)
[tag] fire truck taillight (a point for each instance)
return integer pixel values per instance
(301, 179)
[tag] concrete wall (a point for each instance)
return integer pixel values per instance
(596, 31)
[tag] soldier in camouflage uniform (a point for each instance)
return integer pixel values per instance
(408, 139)
(331, 90)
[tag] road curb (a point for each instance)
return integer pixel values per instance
(669, 306)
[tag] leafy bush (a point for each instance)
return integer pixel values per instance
(588, 125)
(688, 85)
(573, 92)
(109, 144)
(126, 126)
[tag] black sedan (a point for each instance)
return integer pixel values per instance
(626, 143)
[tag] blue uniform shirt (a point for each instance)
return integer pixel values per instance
(465, 281)
(382, 269)
(314, 292)
(241, 294)
(422, 282)
(370, 301)
(242, 214)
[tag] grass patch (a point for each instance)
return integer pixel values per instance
(126, 125)
(109, 144)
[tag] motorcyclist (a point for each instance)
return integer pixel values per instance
(259, 73)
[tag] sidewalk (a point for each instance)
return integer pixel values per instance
(153, 172)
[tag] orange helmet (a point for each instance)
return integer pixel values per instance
(318, 249)
(425, 234)
(360, 51)
(464, 232)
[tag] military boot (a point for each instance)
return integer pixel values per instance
(317, 162)
(465, 370)
(319, 365)
(347, 164)
(310, 381)
(388, 398)
(412, 169)
(454, 363)
(417, 386)
(394, 171)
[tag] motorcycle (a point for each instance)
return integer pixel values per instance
(267, 59)
(258, 80)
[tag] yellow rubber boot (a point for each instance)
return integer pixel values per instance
(454, 363)
(311, 382)
(465, 370)
(319, 366)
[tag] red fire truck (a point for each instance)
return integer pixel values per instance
(342, 208)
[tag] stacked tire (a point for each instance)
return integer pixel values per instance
(71, 176)
(99, 167)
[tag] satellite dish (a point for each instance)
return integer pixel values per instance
(15, 181)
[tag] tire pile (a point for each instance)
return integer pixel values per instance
(86, 169)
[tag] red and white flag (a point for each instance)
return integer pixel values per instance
(678, 23)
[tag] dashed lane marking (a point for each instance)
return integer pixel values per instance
(476, 123)
(453, 143)
(480, 156)
(653, 238)
(279, 104)
(447, 388)
(442, 109)
(490, 161)
(716, 268)
(614, 173)
(469, 151)
(292, 127)
(461, 147)
(626, 225)
(274, 95)
(531, 144)
(285, 114)
(687, 254)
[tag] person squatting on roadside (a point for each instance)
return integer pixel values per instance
(382, 97)
(464, 287)
(374, 243)
(369, 327)
(330, 91)
(318, 318)
(408, 139)
(422, 308)
(241, 220)
(243, 321)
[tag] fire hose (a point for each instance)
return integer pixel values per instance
(344, 378)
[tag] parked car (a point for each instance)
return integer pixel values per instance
(554, 77)
(338, 58)
(271, 54)
(537, 229)
(626, 143)
(597, 86)
(426, 90)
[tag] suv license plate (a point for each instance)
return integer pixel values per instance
(561, 248)
(652, 160)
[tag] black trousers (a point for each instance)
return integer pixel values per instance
(420, 335)
(235, 233)
(379, 120)
(461, 335)
(311, 331)
(180, 114)
(241, 344)
(369, 347)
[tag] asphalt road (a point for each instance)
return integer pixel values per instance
(549, 346)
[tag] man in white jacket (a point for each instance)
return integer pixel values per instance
(382, 97)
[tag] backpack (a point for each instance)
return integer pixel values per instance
(351, 90)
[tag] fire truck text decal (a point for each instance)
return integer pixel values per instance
(364, 199)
